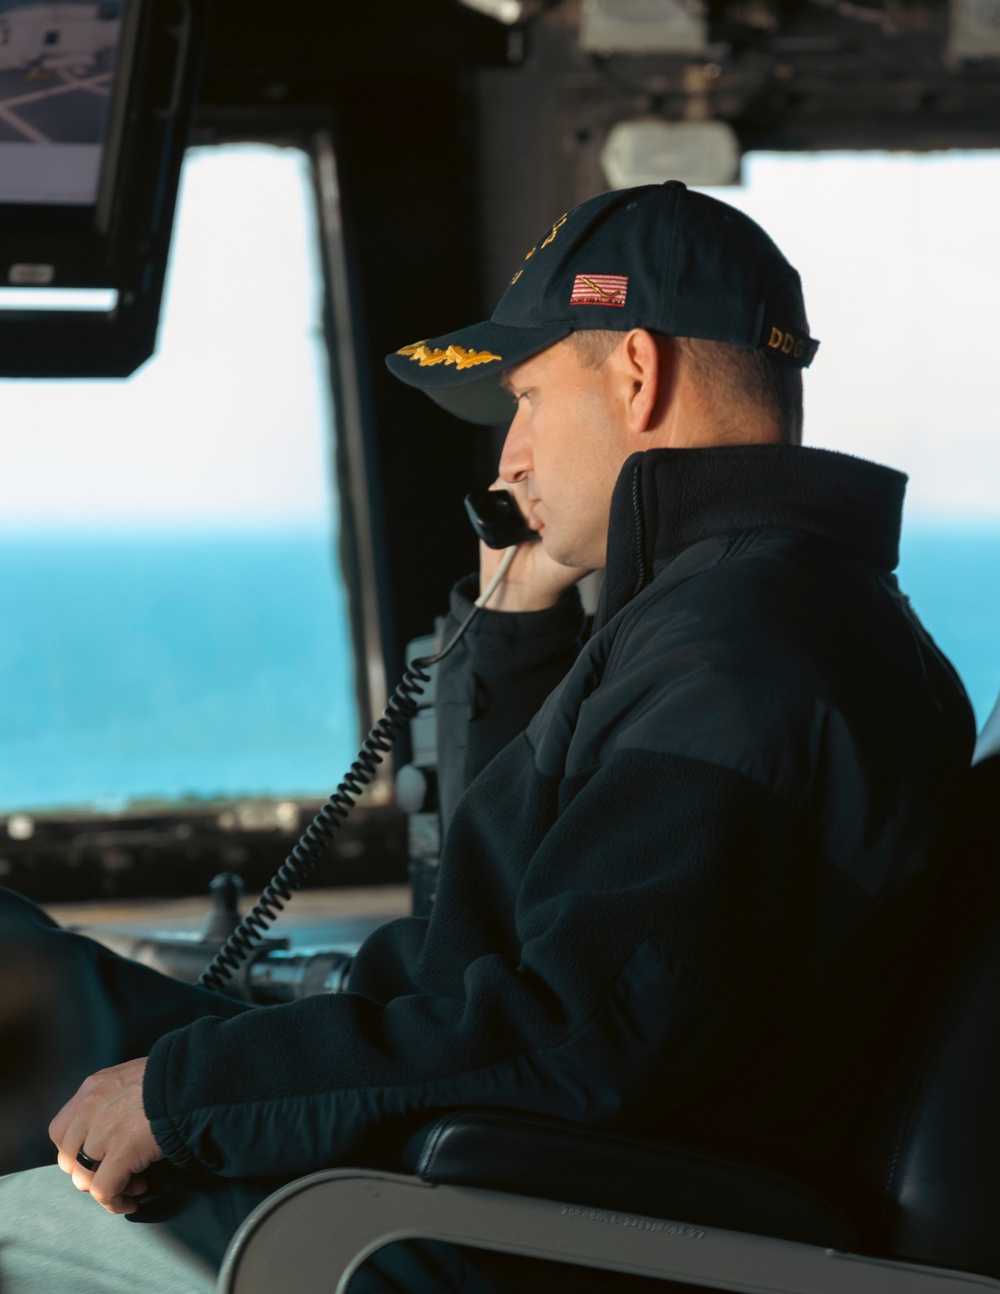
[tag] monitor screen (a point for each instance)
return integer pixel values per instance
(57, 73)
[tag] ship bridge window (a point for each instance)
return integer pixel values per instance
(173, 628)
(51, 38)
(897, 254)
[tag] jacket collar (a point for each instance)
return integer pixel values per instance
(667, 499)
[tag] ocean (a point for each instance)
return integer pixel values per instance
(951, 574)
(158, 668)
(150, 667)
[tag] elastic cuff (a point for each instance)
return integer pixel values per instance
(564, 619)
(154, 1102)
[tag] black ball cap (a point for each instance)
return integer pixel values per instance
(659, 257)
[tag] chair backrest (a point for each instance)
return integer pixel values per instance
(928, 1163)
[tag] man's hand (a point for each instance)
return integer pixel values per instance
(533, 581)
(106, 1119)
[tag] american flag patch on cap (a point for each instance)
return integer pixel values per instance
(599, 290)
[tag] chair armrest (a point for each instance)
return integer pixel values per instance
(549, 1159)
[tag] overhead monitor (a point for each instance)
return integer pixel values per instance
(57, 77)
(95, 102)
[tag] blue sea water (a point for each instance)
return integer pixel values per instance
(951, 574)
(152, 667)
(159, 667)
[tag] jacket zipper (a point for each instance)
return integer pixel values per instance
(640, 531)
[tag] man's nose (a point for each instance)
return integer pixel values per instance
(515, 461)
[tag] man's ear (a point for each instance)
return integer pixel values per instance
(648, 370)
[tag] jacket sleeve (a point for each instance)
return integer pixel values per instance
(651, 918)
(489, 687)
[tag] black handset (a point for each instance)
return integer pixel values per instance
(497, 519)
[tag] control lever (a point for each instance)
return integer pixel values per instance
(226, 890)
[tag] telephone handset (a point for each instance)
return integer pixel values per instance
(497, 520)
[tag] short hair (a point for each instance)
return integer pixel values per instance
(730, 375)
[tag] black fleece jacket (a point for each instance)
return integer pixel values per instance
(667, 904)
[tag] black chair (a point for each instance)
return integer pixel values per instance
(925, 1171)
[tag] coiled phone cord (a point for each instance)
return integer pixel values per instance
(318, 836)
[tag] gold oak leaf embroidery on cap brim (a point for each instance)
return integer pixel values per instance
(456, 355)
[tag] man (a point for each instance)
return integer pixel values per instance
(673, 889)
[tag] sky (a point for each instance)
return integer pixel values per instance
(898, 258)
(228, 425)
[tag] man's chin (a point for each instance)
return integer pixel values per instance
(563, 553)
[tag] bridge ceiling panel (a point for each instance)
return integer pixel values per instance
(787, 74)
